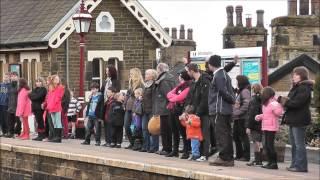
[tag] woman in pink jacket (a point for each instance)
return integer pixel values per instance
(24, 108)
(176, 99)
(54, 108)
(271, 112)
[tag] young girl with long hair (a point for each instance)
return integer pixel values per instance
(271, 112)
(24, 107)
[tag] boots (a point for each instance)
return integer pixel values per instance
(40, 137)
(57, 135)
(257, 160)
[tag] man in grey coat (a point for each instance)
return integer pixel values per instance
(163, 85)
(220, 100)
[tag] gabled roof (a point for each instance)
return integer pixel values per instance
(302, 60)
(49, 22)
(29, 21)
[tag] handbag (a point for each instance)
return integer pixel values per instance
(154, 125)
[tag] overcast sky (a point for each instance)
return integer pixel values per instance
(208, 18)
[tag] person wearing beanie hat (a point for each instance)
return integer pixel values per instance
(220, 100)
(184, 75)
(176, 99)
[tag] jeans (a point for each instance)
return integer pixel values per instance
(298, 150)
(127, 123)
(269, 146)
(39, 118)
(93, 123)
(56, 119)
(3, 119)
(108, 131)
(195, 144)
(205, 128)
(223, 134)
(117, 134)
(165, 131)
(150, 142)
(241, 139)
(14, 124)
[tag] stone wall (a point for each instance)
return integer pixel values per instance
(18, 162)
(139, 47)
(241, 37)
(293, 36)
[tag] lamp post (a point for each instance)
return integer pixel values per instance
(82, 21)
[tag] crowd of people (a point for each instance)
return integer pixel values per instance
(199, 107)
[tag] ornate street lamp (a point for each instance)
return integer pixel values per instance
(82, 22)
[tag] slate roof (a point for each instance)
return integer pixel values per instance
(29, 21)
(302, 60)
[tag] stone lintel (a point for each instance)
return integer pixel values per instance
(302, 21)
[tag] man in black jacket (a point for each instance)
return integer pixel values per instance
(163, 85)
(198, 98)
(13, 121)
(220, 100)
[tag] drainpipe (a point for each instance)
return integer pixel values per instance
(67, 60)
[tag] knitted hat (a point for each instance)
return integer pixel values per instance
(215, 61)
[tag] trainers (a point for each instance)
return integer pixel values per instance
(184, 156)
(270, 166)
(202, 159)
(193, 158)
(221, 162)
(106, 145)
(85, 143)
(118, 146)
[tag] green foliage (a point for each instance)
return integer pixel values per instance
(316, 96)
(314, 129)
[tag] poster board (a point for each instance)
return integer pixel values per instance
(251, 68)
(15, 68)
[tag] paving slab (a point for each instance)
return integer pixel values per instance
(73, 150)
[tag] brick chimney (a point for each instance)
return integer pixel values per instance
(248, 21)
(260, 18)
(229, 16)
(174, 33)
(182, 32)
(190, 34)
(292, 7)
(304, 7)
(239, 10)
(315, 7)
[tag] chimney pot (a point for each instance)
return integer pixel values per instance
(304, 7)
(190, 34)
(248, 21)
(174, 33)
(292, 7)
(182, 32)
(239, 10)
(229, 16)
(260, 22)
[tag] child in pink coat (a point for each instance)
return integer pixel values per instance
(24, 108)
(271, 112)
